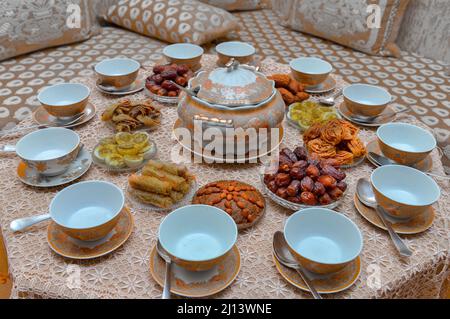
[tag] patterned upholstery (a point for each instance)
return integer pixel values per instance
(415, 82)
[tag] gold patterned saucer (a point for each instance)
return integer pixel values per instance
(324, 284)
(344, 111)
(76, 169)
(324, 87)
(69, 247)
(135, 87)
(197, 284)
(411, 226)
(42, 117)
(424, 165)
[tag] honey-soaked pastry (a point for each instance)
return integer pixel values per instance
(321, 148)
(349, 131)
(244, 203)
(150, 184)
(356, 147)
(153, 199)
(312, 133)
(331, 132)
(343, 157)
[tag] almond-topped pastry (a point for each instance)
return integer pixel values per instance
(243, 202)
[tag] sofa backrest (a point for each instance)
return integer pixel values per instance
(426, 29)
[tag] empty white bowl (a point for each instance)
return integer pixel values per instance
(198, 237)
(310, 71)
(49, 151)
(87, 210)
(184, 53)
(404, 192)
(117, 72)
(405, 143)
(322, 240)
(365, 99)
(241, 51)
(65, 99)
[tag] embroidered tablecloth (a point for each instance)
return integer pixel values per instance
(39, 272)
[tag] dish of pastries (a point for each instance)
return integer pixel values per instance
(291, 90)
(305, 114)
(161, 184)
(127, 115)
(124, 151)
(306, 179)
(159, 83)
(243, 202)
(335, 139)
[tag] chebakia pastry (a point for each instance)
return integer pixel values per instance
(335, 139)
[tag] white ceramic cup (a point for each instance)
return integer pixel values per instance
(64, 99)
(366, 99)
(240, 51)
(184, 53)
(310, 71)
(322, 240)
(118, 72)
(49, 151)
(198, 237)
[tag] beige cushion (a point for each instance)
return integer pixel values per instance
(27, 25)
(239, 5)
(173, 20)
(345, 22)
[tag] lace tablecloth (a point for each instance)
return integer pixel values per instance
(39, 272)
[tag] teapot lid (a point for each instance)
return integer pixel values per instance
(234, 85)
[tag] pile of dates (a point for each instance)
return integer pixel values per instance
(307, 180)
(160, 82)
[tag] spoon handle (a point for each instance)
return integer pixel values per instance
(438, 176)
(398, 242)
(23, 223)
(167, 281)
(8, 148)
(308, 283)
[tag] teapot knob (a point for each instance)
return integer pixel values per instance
(232, 65)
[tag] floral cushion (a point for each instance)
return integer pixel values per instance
(173, 20)
(370, 26)
(27, 26)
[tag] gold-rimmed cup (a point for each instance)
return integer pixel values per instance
(243, 52)
(404, 192)
(87, 211)
(321, 240)
(119, 73)
(366, 99)
(405, 143)
(64, 100)
(310, 71)
(198, 237)
(184, 53)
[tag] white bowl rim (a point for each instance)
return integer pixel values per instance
(400, 124)
(386, 92)
(48, 129)
(218, 210)
(330, 211)
(68, 188)
(137, 66)
(247, 45)
(330, 67)
(166, 50)
(60, 85)
(411, 170)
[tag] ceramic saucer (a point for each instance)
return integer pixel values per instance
(77, 169)
(42, 117)
(197, 284)
(344, 111)
(411, 226)
(326, 86)
(189, 146)
(136, 86)
(424, 165)
(69, 247)
(324, 284)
